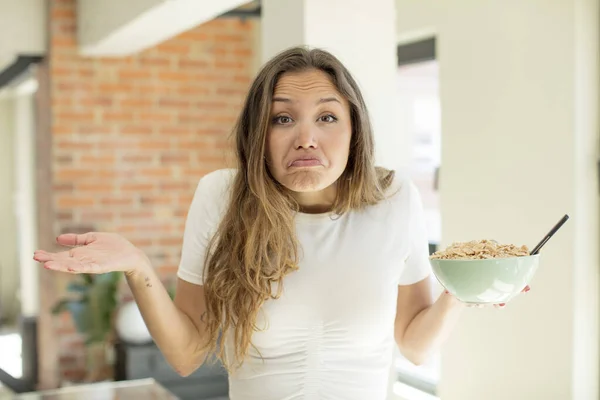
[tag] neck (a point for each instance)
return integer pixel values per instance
(316, 202)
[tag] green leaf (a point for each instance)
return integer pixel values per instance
(81, 313)
(60, 306)
(88, 279)
(77, 287)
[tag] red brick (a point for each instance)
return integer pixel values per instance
(173, 102)
(118, 116)
(63, 129)
(97, 160)
(141, 242)
(63, 42)
(175, 131)
(154, 61)
(112, 88)
(116, 201)
(71, 174)
(95, 187)
(157, 172)
(136, 215)
(136, 130)
(73, 145)
(175, 186)
(175, 76)
(175, 158)
(154, 145)
(134, 74)
(74, 86)
(173, 48)
(138, 187)
(97, 215)
(75, 201)
(193, 64)
(156, 117)
(194, 91)
(75, 116)
(137, 159)
(224, 38)
(231, 64)
(97, 101)
(89, 130)
(63, 13)
(136, 103)
(154, 200)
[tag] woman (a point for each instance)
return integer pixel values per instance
(309, 262)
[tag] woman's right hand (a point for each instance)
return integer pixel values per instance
(94, 253)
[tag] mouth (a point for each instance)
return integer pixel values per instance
(308, 161)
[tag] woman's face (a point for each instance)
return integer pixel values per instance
(308, 141)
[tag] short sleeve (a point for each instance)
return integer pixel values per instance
(417, 266)
(202, 221)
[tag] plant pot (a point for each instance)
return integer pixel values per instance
(130, 325)
(97, 366)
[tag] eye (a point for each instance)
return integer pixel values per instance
(282, 120)
(329, 118)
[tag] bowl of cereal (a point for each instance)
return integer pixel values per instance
(484, 271)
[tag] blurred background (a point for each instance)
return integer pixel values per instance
(111, 111)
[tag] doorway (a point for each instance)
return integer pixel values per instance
(19, 301)
(419, 120)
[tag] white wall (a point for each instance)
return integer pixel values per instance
(23, 25)
(519, 88)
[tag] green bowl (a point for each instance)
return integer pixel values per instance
(488, 281)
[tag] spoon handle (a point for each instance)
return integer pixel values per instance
(556, 227)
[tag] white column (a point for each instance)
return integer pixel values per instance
(519, 101)
(362, 34)
(25, 195)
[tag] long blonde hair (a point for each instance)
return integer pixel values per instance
(255, 245)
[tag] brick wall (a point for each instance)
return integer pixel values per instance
(132, 136)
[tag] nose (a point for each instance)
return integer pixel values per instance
(305, 138)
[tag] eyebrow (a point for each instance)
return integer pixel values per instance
(321, 101)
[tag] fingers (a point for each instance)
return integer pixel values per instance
(42, 256)
(475, 305)
(72, 239)
(65, 261)
(526, 289)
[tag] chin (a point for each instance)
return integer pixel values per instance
(306, 181)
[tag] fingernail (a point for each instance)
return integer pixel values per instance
(47, 267)
(527, 289)
(501, 305)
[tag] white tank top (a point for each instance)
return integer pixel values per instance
(331, 334)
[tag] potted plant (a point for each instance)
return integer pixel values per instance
(130, 326)
(92, 301)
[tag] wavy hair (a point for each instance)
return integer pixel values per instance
(255, 244)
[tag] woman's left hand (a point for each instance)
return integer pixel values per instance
(500, 305)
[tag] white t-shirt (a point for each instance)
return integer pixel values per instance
(331, 334)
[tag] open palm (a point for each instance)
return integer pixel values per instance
(92, 253)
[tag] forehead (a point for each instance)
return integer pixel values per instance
(306, 83)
